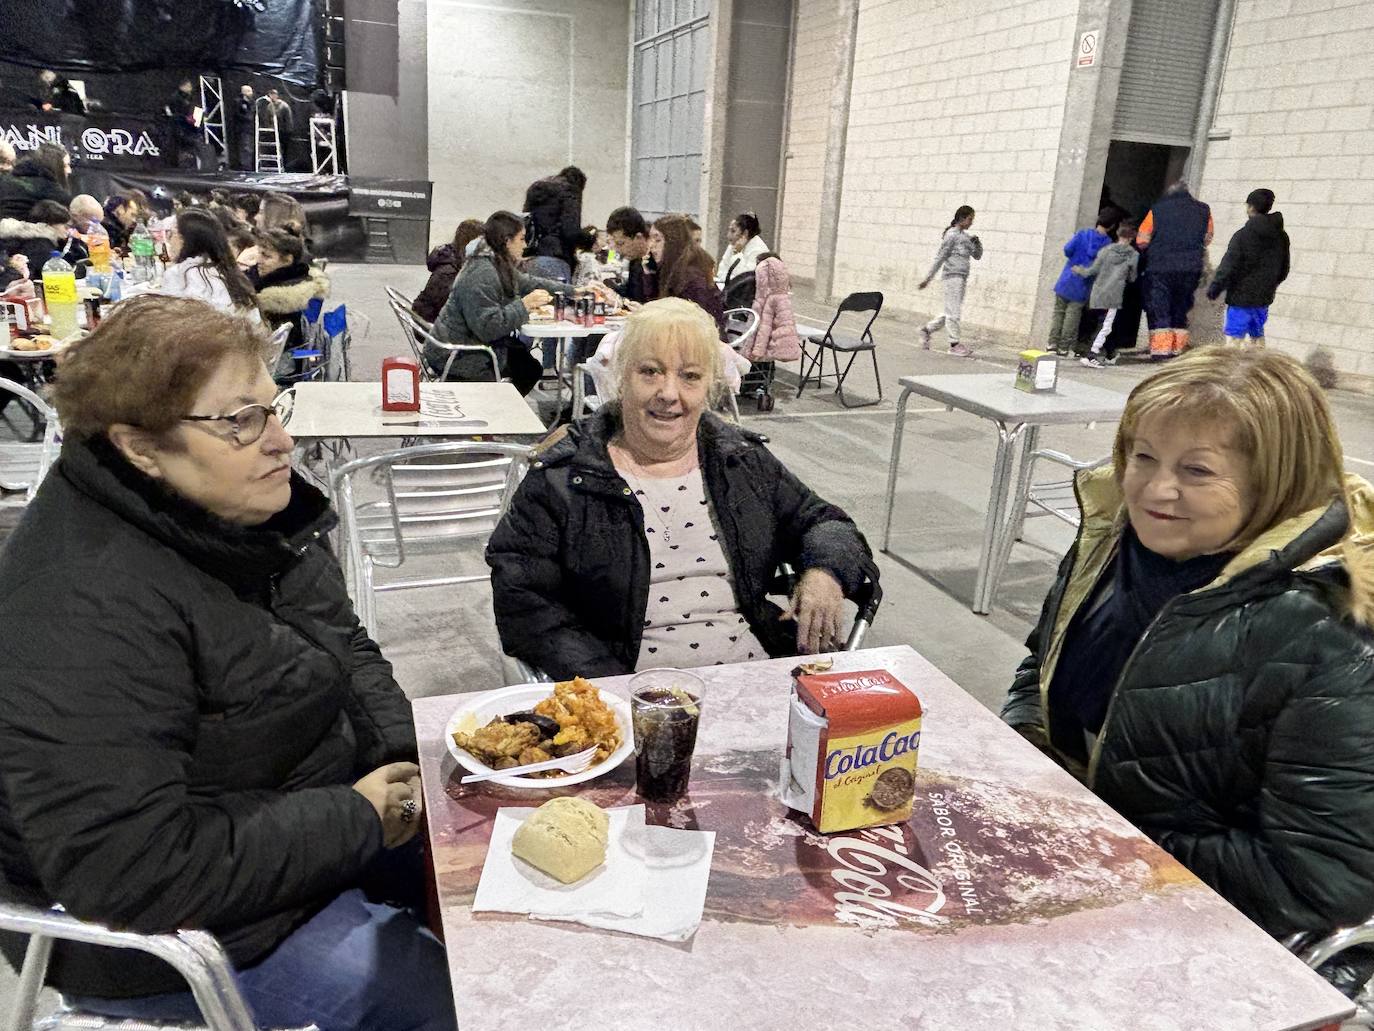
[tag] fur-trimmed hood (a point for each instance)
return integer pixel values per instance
(14, 229)
(292, 295)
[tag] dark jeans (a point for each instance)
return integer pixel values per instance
(1169, 298)
(365, 962)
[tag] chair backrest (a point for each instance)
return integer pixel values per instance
(196, 955)
(740, 326)
(411, 325)
(423, 332)
(276, 345)
(859, 303)
(739, 290)
(433, 495)
(23, 465)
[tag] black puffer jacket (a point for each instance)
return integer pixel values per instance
(184, 706)
(570, 562)
(1238, 736)
(1256, 262)
(555, 207)
(443, 264)
(24, 187)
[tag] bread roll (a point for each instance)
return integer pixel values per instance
(564, 837)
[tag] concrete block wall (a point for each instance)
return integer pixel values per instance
(953, 103)
(517, 90)
(813, 69)
(1298, 101)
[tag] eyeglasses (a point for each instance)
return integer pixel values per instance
(248, 423)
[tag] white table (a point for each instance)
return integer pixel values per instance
(1018, 416)
(566, 330)
(1013, 898)
(354, 410)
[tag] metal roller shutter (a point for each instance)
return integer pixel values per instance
(671, 48)
(1167, 48)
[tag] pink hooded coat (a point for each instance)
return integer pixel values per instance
(776, 339)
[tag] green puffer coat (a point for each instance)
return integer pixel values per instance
(1240, 736)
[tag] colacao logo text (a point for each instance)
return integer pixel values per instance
(847, 760)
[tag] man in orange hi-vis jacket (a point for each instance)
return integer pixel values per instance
(1174, 236)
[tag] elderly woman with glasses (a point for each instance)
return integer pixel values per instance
(195, 731)
(1206, 660)
(649, 534)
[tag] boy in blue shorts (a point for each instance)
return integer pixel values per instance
(1256, 263)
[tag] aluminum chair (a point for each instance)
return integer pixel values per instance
(1057, 498)
(196, 955)
(1315, 951)
(23, 465)
(852, 344)
(276, 346)
(406, 316)
(867, 601)
(438, 498)
(740, 326)
(416, 327)
(583, 402)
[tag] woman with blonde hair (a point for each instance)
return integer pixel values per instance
(648, 533)
(1205, 659)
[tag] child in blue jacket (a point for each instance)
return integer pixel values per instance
(1071, 291)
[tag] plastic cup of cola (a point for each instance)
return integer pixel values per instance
(665, 708)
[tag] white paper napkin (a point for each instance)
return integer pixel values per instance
(510, 885)
(678, 865)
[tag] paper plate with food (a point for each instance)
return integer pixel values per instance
(532, 723)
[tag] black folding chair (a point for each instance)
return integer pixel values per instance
(850, 344)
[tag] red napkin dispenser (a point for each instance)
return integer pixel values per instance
(400, 385)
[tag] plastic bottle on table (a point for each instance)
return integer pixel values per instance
(141, 249)
(98, 243)
(59, 290)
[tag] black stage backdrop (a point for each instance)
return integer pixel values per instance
(82, 36)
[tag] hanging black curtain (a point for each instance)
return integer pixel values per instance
(76, 36)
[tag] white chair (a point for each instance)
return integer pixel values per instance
(740, 326)
(23, 464)
(196, 955)
(438, 498)
(420, 331)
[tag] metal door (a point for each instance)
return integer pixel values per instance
(671, 63)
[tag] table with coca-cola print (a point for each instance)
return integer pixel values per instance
(1013, 898)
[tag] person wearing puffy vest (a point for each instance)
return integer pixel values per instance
(1205, 658)
(776, 339)
(1174, 237)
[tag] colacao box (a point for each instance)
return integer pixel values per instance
(852, 742)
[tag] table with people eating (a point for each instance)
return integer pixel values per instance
(737, 813)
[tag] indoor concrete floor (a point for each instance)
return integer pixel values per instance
(443, 640)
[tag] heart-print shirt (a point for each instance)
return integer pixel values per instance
(692, 618)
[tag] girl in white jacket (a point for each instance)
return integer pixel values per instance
(204, 267)
(956, 248)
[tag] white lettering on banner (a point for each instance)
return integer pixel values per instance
(37, 134)
(118, 141)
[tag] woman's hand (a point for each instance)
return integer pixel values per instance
(389, 788)
(817, 606)
(537, 299)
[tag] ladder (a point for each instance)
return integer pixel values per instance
(324, 146)
(266, 138)
(212, 106)
(379, 248)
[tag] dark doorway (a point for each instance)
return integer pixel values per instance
(1137, 174)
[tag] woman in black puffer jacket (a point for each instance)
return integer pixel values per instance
(195, 731)
(1205, 660)
(41, 175)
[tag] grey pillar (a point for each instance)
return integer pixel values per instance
(715, 120)
(832, 183)
(1211, 93)
(1086, 134)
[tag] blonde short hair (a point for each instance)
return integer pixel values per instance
(672, 324)
(1278, 420)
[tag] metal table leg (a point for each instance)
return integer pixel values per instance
(1016, 516)
(995, 523)
(892, 464)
